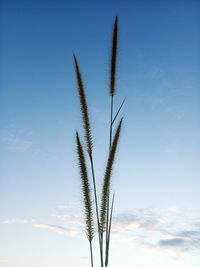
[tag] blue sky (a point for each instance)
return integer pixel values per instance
(156, 219)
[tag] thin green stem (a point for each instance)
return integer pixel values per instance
(91, 254)
(118, 111)
(97, 211)
(111, 119)
(109, 229)
(110, 144)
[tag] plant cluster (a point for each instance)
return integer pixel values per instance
(104, 209)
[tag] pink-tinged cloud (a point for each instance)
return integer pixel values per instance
(55, 228)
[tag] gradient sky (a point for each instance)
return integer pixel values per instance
(156, 176)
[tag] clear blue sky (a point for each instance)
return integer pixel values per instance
(156, 176)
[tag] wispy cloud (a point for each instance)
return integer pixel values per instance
(157, 73)
(186, 240)
(70, 213)
(173, 242)
(150, 229)
(143, 219)
(145, 228)
(14, 143)
(55, 228)
(18, 221)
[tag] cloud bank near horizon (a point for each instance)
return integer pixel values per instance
(147, 228)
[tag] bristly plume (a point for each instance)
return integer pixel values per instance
(114, 57)
(84, 108)
(107, 177)
(85, 190)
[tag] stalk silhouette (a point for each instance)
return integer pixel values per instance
(113, 72)
(104, 211)
(87, 200)
(84, 108)
(114, 58)
(88, 140)
(107, 178)
(109, 230)
(113, 65)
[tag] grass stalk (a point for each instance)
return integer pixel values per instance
(84, 108)
(97, 210)
(110, 144)
(107, 177)
(86, 191)
(111, 120)
(112, 93)
(114, 58)
(88, 140)
(104, 211)
(91, 255)
(109, 230)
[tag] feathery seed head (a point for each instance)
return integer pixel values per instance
(107, 177)
(86, 191)
(84, 108)
(114, 58)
